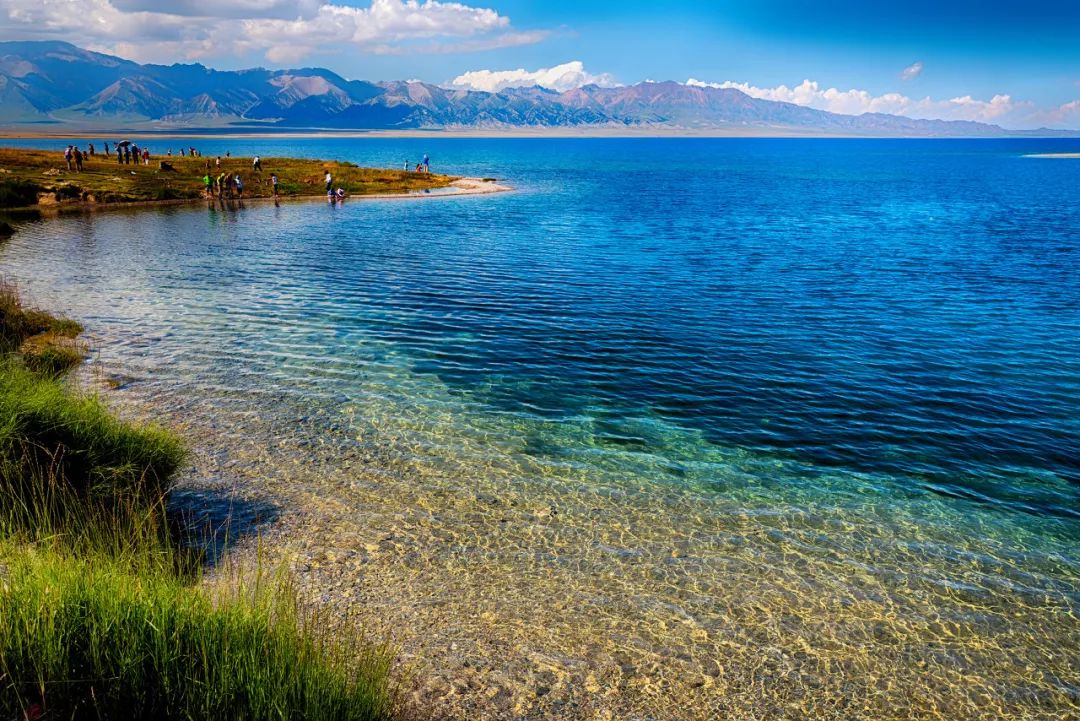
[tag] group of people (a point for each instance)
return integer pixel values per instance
(332, 194)
(231, 185)
(74, 157)
(424, 166)
(222, 185)
(126, 154)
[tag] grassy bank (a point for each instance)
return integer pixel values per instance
(103, 611)
(38, 178)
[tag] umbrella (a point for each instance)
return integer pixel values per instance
(123, 143)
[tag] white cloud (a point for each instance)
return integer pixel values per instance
(560, 77)
(856, 102)
(1066, 115)
(281, 30)
(911, 71)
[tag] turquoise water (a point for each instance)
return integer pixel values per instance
(708, 398)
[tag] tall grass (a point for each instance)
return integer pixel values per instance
(103, 610)
(87, 636)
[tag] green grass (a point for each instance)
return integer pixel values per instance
(104, 613)
(85, 636)
(51, 354)
(19, 323)
(43, 424)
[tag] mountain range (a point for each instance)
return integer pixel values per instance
(57, 85)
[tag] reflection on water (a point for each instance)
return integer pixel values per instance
(794, 438)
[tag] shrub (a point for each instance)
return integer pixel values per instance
(17, 193)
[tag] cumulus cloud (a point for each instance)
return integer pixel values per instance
(911, 71)
(560, 77)
(856, 102)
(281, 30)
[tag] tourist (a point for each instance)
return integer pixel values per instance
(221, 185)
(329, 183)
(340, 194)
(406, 168)
(419, 167)
(90, 150)
(207, 182)
(274, 182)
(119, 155)
(77, 154)
(68, 155)
(239, 186)
(127, 155)
(146, 156)
(427, 164)
(107, 153)
(181, 152)
(256, 163)
(217, 163)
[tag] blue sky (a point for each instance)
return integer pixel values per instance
(1015, 63)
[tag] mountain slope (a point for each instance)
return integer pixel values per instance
(60, 83)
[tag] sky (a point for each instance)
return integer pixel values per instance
(1015, 63)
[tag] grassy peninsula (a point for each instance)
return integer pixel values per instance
(39, 179)
(104, 612)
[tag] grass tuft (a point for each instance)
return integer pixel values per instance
(51, 353)
(81, 636)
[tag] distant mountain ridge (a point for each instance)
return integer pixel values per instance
(59, 84)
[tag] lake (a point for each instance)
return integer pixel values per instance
(679, 428)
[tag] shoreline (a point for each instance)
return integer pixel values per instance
(461, 187)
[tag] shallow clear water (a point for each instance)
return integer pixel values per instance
(681, 404)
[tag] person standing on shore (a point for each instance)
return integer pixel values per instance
(427, 164)
(90, 150)
(256, 163)
(239, 186)
(206, 183)
(67, 156)
(329, 183)
(107, 153)
(127, 155)
(77, 154)
(119, 155)
(273, 183)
